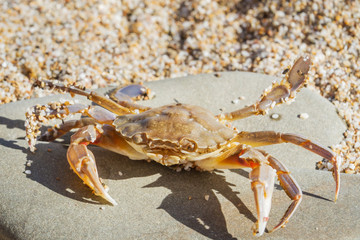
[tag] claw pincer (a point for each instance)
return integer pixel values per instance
(262, 183)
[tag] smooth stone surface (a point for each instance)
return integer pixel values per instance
(156, 202)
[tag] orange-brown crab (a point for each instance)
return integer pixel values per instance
(180, 134)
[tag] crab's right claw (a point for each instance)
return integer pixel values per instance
(82, 161)
(262, 183)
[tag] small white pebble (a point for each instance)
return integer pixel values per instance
(102, 208)
(352, 166)
(242, 98)
(275, 116)
(120, 173)
(27, 172)
(69, 190)
(235, 101)
(304, 116)
(207, 197)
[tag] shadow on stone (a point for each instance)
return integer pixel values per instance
(50, 169)
(187, 203)
(11, 123)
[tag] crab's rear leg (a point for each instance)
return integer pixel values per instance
(278, 93)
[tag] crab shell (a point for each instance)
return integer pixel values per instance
(175, 134)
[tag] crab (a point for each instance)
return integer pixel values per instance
(180, 135)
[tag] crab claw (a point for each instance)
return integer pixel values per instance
(262, 184)
(82, 161)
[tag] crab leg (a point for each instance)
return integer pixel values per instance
(262, 138)
(37, 115)
(41, 114)
(262, 177)
(91, 95)
(57, 131)
(82, 161)
(263, 182)
(284, 91)
(290, 186)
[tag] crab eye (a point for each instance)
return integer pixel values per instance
(188, 145)
(129, 93)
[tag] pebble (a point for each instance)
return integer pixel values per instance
(99, 43)
(275, 116)
(304, 116)
(27, 172)
(235, 101)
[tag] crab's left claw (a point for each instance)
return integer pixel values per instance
(262, 184)
(82, 161)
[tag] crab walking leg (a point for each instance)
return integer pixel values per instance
(38, 115)
(91, 95)
(284, 91)
(290, 186)
(262, 181)
(262, 138)
(262, 177)
(57, 131)
(96, 115)
(82, 161)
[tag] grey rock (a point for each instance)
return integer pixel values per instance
(156, 202)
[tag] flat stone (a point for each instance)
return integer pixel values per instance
(156, 202)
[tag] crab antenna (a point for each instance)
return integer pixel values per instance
(91, 95)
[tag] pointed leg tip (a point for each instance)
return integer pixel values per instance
(112, 201)
(258, 231)
(108, 198)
